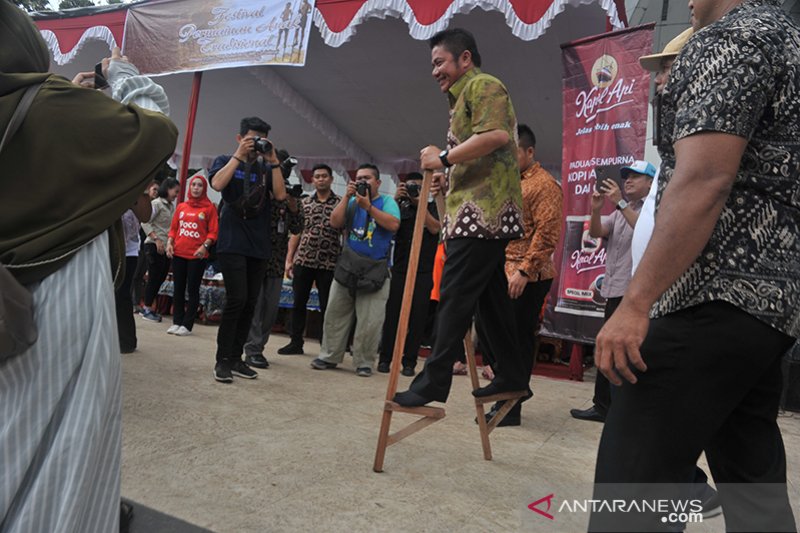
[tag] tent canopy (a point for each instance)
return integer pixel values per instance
(366, 95)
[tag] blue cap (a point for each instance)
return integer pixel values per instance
(640, 167)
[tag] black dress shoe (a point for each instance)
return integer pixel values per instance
(410, 398)
(588, 414)
(407, 371)
(384, 368)
(510, 419)
(493, 388)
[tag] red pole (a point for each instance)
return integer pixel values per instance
(187, 141)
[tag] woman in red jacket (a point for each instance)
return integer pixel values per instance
(193, 231)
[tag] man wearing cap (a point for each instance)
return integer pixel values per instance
(660, 64)
(617, 229)
(696, 346)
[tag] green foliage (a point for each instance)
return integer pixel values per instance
(67, 4)
(32, 5)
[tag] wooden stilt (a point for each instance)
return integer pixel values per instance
(429, 414)
(510, 399)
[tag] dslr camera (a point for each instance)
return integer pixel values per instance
(362, 188)
(412, 189)
(262, 145)
(287, 163)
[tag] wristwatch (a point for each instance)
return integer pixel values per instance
(443, 158)
(622, 204)
(206, 246)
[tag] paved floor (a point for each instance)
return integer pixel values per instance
(293, 449)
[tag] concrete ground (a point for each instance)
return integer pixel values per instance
(293, 450)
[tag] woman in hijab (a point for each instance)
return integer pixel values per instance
(193, 231)
(60, 403)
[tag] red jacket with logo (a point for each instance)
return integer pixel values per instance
(191, 227)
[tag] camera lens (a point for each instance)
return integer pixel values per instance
(262, 145)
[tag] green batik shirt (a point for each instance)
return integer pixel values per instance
(484, 197)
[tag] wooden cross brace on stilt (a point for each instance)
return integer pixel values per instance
(429, 415)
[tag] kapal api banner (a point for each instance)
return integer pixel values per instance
(605, 93)
(171, 36)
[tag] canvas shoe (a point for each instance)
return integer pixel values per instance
(239, 369)
(147, 314)
(183, 331)
(173, 329)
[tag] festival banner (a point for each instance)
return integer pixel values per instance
(171, 36)
(605, 93)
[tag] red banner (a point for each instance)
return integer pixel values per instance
(605, 94)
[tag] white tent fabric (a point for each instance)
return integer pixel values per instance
(372, 97)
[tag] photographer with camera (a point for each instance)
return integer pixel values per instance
(360, 287)
(287, 218)
(407, 197)
(245, 180)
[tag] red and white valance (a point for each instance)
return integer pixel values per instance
(337, 20)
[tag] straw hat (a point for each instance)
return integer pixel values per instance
(653, 61)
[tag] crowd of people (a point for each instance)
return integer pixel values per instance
(690, 298)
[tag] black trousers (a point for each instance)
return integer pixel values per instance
(526, 311)
(602, 387)
(157, 267)
(473, 280)
(416, 320)
(713, 383)
(243, 277)
(187, 274)
(302, 280)
(123, 301)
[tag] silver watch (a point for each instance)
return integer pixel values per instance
(622, 204)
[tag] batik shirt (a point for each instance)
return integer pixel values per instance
(741, 76)
(484, 199)
(320, 244)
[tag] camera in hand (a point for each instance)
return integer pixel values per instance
(287, 163)
(412, 189)
(262, 145)
(362, 188)
(100, 81)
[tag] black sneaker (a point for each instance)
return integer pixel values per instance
(364, 372)
(258, 361)
(407, 371)
(239, 369)
(291, 349)
(222, 372)
(319, 364)
(384, 367)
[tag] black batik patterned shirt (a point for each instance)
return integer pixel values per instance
(741, 75)
(320, 244)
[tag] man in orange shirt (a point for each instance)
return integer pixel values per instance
(529, 260)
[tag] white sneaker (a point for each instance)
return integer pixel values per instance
(173, 329)
(182, 332)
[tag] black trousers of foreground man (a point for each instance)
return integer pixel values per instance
(727, 366)
(473, 280)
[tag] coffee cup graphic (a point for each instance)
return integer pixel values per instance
(596, 287)
(589, 244)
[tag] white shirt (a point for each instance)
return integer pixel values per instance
(644, 226)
